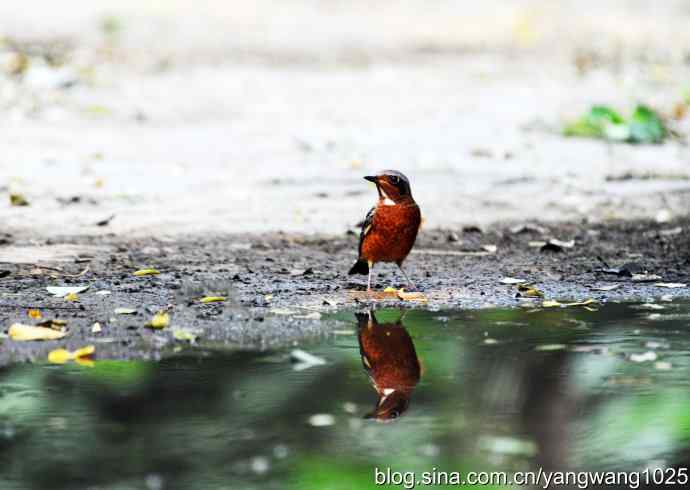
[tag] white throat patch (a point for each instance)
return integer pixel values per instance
(387, 201)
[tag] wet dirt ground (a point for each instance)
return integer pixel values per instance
(279, 286)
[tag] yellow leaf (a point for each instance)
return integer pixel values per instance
(59, 356)
(552, 303)
(85, 361)
(18, 200)
(528, 291)
(184, 334)
(146, 272)
(159, 320)
(35, 314)
(21, 332)
(212, 299)
(81, 356)
(412, 296)
(84, 352)
(390, 289)
(268, 297)
(72, 297)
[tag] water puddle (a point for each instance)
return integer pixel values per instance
(482, 390)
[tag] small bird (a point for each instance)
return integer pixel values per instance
(390, 228)
(390, 360)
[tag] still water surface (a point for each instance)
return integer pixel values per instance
(495, 390)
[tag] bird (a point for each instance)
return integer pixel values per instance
(390, 228)
(390, 360)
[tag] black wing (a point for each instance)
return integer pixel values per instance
(367, 224)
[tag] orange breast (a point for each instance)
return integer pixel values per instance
(393, 233)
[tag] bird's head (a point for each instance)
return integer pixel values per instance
(390, 407)
(393, 186)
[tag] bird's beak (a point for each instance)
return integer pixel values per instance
(371, 178)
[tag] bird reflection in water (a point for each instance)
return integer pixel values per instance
(390, 360)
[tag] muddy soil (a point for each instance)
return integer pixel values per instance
(280, 287)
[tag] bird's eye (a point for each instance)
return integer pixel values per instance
(395, 179)
(394, 414)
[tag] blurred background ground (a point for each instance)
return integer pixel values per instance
(221, 116)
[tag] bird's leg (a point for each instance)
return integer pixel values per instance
(369, 279)
(410, 284)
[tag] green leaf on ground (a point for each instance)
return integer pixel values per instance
(644, 126)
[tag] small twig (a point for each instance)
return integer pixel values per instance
(86, 269)
(55, 269)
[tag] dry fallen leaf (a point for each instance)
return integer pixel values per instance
(412, 296)
(212, 299)
(62, 291)
(185, 334)
(20, 332)
(670, 285)
(645, 277)
(35, 314)
(159, 320)
(512, 280)
(124, 311)
(53, 323)
(82, 356)
(607, 287)
(527, 291)
(551, 303)
(59, 356)
(146, 272)
(18, 200)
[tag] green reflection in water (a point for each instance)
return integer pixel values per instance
(507, 390)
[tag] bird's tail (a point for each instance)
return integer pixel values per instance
(360, 267)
